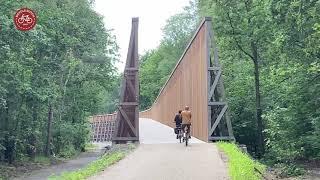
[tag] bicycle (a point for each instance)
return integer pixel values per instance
(25, 19)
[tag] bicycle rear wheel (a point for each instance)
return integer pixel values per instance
(187, 139)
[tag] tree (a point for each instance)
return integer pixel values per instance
(61, 67)
(246, 25)
(281, 40)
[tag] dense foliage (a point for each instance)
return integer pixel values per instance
(269, 50)
(53, 77)
(286, 36)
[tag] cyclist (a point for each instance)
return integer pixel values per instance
(178, 121)
(186, 119)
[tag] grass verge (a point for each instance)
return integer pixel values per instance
(241, 166)
(94, 167)
(90, 147)
(24, 166)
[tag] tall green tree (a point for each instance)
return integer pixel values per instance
(245, 25)
(270, 53)
(52, 77)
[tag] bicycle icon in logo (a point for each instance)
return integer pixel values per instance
(25, 19)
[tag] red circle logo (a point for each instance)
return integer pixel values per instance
(25, 19)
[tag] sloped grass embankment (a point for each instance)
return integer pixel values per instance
(241, 166)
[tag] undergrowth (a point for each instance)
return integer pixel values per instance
(241, 166)
(289, 170)
(42, 160)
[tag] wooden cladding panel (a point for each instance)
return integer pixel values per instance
(187, 86)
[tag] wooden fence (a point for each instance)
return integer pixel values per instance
(102, 127)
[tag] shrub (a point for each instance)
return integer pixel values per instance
(288, 170)
(69, 138)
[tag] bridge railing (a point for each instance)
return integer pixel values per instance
(102, 127)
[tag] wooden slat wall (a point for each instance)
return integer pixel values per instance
(187, 85)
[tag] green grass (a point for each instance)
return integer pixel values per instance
(92, 168)
(90, 146)
(24, 165)
(42, 160)
(241, 166)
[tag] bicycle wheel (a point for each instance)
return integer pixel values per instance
(187, 139)
(20, 20)
(183, 136)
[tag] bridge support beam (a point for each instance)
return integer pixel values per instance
(127, 121)
(219, 122)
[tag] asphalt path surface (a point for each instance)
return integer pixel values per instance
(161, 157)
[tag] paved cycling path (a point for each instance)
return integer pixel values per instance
(161, 157)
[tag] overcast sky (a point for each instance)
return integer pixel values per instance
(152, 17)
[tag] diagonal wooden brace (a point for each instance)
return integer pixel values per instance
(125, 116)
(214, 126)
(214, 85)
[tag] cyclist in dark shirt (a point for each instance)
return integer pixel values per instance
(178, 120)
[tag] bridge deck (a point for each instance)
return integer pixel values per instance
(160, 156)
(153, 132)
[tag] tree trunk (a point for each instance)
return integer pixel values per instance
(8, 142)
(260, 140)
(33, 136)
(48, 144)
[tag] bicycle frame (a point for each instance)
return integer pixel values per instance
(180, 134)
(186, 134)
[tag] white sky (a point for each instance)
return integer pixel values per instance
(152, 17)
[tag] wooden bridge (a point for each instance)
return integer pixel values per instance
(196, 81)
